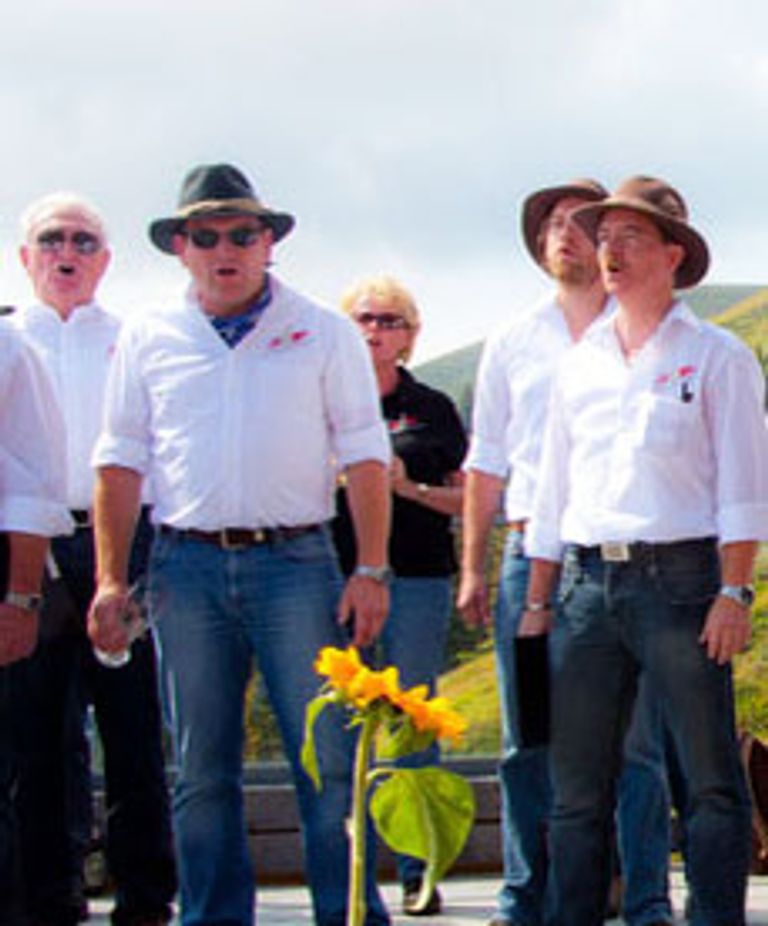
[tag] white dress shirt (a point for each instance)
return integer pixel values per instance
(670, 447)
(245, 437)
(511, 399)
(77, 354)
(32, 465)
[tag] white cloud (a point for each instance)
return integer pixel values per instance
(403, 133)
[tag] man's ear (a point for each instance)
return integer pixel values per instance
(676, 254)
(179, 244)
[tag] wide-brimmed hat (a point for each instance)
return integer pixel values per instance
(666, 207)
(538, 205)
(216, 190)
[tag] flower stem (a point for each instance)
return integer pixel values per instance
(358, 823)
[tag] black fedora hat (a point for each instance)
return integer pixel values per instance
(216, 190)
(538, 205)
(666, 207)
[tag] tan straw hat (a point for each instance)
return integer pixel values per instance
(666, 207)
(538, 205)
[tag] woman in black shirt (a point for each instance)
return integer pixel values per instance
(429, 444)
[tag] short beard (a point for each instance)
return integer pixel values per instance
(569, 273)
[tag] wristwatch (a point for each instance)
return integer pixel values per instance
(28, 601)
(742, 594)
(382, 574)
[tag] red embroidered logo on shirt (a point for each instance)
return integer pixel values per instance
(290, 337)
(680, 380)
(403, 423)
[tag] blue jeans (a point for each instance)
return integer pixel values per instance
(523, 772)
(215, 611)
(621, 620)
(526, 794)
(413, 639)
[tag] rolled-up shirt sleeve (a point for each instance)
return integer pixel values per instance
(353, 406)
(32, 446)
(735, 403)
(491, 414)
(124, 439)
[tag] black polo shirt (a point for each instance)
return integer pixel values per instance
(428, 436)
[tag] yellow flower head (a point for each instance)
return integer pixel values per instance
(363, 686)
(338, 665)
(368, 686)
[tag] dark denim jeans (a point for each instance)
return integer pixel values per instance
(526, 792)
(59, 681)
(621, 620)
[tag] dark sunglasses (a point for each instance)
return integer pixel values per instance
(82, 241)
(207, 238)
(386, 321)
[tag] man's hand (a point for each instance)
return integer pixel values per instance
(535, 623)
(107, 625)
(366, 602)
(727, 629)
(472, 599)
(18, 633)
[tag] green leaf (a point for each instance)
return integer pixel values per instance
(308, 748)
(426, 813)
(401, 738)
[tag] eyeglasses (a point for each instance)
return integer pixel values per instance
(386, 321)
(207, 238)
(83, 242)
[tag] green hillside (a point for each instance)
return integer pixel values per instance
(741, 307)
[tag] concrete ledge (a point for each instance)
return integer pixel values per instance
(275, 838)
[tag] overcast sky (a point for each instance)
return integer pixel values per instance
(403, 134)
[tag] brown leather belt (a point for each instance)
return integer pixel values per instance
(517, 526)
(239, 538)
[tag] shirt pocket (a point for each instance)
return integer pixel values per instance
(665, 424)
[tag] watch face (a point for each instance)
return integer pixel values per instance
(744, 594)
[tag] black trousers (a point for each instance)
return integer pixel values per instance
(60, 680)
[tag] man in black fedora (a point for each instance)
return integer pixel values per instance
(653, 495)
(240, 404)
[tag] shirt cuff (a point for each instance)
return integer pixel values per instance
(120, 451)
(538, 546)
(743, 522)
(371, 443)
(26, 514)
(487, 458)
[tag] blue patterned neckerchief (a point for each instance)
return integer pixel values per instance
(233, 328)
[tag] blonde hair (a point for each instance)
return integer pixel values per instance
(390, 292)
(54, 204)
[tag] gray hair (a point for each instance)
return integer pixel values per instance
(55, 204)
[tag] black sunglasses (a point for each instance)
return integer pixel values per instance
(243, 236)
(387, 321)
(82, 241)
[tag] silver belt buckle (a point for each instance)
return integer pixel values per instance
(614, 552)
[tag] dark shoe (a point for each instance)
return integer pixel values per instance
(411, 891)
